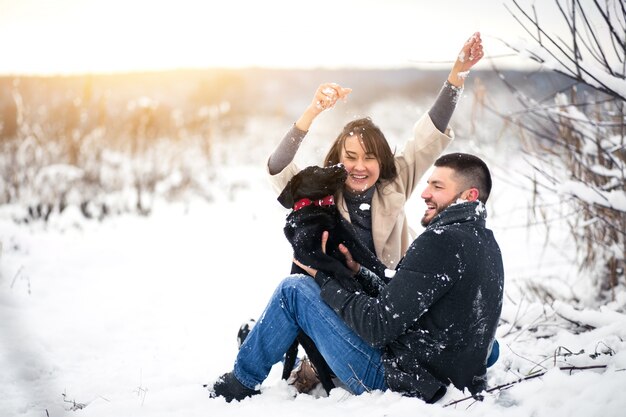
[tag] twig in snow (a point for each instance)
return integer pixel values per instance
(508, 385)
(141, 391)
(586, 327)
(75, 406)
(17, 275)
(537, 364)
(608, 351)
(499, 387)
(581, 368)
(568, 352)
(514, 323)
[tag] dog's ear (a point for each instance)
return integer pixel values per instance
(286, 196)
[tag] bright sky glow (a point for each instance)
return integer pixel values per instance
(74, 36)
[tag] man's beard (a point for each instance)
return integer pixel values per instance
(425, 222)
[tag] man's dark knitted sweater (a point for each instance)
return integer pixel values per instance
(436, 318)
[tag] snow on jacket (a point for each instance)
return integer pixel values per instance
(436, 318)
(390, 228)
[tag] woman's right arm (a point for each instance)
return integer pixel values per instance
(286, 150)
(325, 97)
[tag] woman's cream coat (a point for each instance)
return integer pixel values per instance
(389, 224)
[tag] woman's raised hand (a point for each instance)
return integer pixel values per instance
(469, 55)
(326, 96)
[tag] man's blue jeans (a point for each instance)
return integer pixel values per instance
(296, 305)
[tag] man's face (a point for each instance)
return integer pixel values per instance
(442, 190)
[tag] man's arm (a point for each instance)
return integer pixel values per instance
(371, 283)
(428, 271)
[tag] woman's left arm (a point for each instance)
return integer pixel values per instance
(470, 54)
(441, 111)
(431, 134)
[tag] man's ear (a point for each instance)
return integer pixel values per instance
(286, 196)
(471, 194)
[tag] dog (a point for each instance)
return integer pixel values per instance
(310, 195)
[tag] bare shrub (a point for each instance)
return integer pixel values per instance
(69, 149)
(575, 136)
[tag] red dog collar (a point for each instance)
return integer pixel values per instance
(326, 201)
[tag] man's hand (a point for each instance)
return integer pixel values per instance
(470, 54)
(350, 262)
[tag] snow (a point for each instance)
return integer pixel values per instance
(615, 199)
(390, 273)
(130, 316)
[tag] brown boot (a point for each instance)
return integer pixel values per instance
(304, 377)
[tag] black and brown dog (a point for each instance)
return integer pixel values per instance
(310, 195)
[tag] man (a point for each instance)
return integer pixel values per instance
(431, 325)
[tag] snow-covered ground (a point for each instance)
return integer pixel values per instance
(132, 315)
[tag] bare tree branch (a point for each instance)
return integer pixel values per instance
(578, 71)
(595, 49)
(607, 19)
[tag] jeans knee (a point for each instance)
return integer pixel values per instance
(297, 285)
(295, 282)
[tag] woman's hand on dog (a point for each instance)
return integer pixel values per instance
(326, 96)
(350, 262)
(312, 271)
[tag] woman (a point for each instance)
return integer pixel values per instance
(379, 183)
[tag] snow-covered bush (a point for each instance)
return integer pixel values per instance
(64, 153)
(576, 137)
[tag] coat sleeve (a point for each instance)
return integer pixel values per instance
(372, 284)
(416, 286)
(420, 152)
(280, 180)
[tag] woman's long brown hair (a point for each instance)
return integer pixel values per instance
(373, 141)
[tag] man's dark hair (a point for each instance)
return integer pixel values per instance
(471, 169)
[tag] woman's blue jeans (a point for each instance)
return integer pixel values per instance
(296, 305)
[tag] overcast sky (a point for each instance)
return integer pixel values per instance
(70, 36)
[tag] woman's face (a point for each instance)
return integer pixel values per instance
(363, 168)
